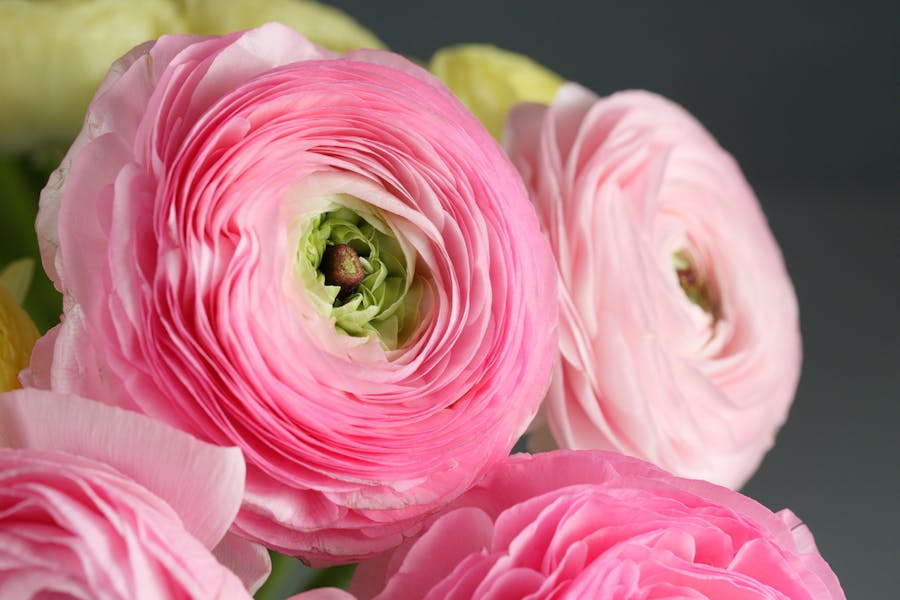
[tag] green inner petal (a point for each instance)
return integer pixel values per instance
(387, 301)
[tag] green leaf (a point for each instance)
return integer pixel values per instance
(20, 186)
(289, 577)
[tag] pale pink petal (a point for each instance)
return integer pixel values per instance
(72, 525)
(249, 561)
(203, 483)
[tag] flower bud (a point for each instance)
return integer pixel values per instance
(17, 330)
(490, 81)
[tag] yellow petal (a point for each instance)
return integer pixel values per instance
(323, 25)
(16, 278)
(17, 337)
(490, 81)
(54, 54)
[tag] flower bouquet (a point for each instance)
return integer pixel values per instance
(313, 294)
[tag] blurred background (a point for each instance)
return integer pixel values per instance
(807, 97)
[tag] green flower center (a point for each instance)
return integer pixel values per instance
(355, 271)
(695, 287)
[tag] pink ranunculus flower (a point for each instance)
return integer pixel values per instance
(596, 524)
(99, 502)
(679, 333)
(321, 259)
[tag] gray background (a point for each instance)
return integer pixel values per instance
(807, 97)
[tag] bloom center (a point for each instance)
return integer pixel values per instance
(341, 267)
(697, 288)
(356, 272)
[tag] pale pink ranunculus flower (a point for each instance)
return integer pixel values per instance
(190, 227)
(597, 524)
(99, 502)
(679, 333)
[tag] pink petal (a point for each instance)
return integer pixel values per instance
(324, 594)
(248, 560)
(202, 482)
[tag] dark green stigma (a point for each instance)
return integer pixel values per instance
(341, 267)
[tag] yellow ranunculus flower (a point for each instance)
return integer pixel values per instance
(17, 330)
(324, 25)
(54, 54)
(490, 81)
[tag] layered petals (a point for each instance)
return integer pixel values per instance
(99, 502)
(679, 334)
(187, 228)
(593, 524)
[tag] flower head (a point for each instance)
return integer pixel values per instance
(679, 334)
(594, 524)
(193, 228)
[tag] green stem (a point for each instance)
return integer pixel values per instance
(287, 576)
